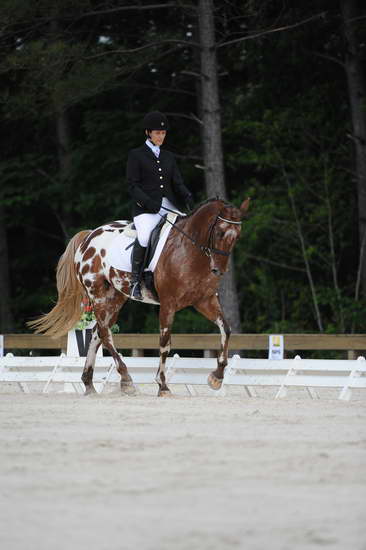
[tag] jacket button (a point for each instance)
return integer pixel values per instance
(161, 177)
(158, 161)
(162, 186)
(159, 169)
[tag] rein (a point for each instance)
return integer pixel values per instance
(207, 250)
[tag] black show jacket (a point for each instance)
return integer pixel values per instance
(150, 179)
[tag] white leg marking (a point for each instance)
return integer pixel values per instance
(165, 349)
(219, 322)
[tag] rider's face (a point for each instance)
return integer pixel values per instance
(157, 136)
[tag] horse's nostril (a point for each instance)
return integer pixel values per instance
(216, 271)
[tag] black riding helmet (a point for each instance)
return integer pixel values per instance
(155, 121)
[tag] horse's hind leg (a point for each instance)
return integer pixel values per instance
(87, 376)
(106, 311)
(211, 309)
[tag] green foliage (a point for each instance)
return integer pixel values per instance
(285, 124)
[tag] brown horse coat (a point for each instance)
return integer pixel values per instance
(188, 273)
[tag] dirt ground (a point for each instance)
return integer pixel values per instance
(141, 473)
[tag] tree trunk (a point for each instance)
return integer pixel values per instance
(65, 163)
(6, 317)
(354, 66)
(63, 139)
(212, 144)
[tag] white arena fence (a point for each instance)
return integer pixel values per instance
(281, 374)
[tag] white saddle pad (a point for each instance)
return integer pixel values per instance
(119, 252)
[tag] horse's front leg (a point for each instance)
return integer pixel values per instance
(87, 376)
(211, 309)
(166, 317)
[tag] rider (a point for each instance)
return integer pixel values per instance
(154, 182)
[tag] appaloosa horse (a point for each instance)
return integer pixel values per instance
(188, 272)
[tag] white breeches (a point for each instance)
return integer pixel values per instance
(145, 223)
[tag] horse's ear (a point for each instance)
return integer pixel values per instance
(244, 206)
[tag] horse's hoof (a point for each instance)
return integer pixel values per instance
(90, 390)
(165, 393)
(128, 388)
(214, 382)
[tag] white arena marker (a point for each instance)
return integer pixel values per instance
(78, 342)
(275, 347)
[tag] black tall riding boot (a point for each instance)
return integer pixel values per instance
(137, 261)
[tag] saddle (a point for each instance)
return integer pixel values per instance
(130, 231)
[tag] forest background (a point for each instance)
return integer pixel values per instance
(265, 99)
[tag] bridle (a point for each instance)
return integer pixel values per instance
(211, 249)
(208, 249)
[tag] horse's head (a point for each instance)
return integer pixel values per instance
(223, 234)
(213, 228)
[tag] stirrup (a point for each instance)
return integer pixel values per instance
(136, 291)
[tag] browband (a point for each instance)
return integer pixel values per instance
(228, 221)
